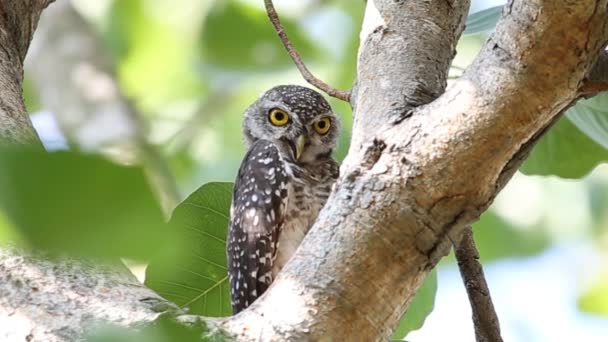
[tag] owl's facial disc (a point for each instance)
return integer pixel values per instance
(297, 119)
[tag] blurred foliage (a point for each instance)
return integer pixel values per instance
(114, 203)
(155, 56)
(256, 47)
(595, 299)
(192, 272)
(496, 239)
(164, 329)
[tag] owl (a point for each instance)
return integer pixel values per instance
(282, 184)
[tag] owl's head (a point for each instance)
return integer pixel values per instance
(297, 119)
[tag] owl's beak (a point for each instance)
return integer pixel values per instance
(300, 143)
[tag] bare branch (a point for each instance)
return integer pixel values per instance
(487, 326)
(343, 95)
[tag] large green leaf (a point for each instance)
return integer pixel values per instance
(591, 117)
(240, 37)
(81, 204)
(483, 21)
(420, 307)
(564, 151)
(193, 273)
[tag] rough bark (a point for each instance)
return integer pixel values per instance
(18, 20)
(420, 168)
(50, 300)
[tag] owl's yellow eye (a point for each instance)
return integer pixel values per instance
(278, 117)
(322, 126)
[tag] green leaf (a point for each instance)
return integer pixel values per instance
(420, 307)
(193, 273)
(483, 21)
(591, 117)
(564, 151)
(80, 204)
(240, 37)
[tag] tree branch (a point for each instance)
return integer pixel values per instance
(297, 59)
(18, 20)
(53, 300)
(421, 167)
(410, 185)
(487, 326)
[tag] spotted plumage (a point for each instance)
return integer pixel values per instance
(282, 184)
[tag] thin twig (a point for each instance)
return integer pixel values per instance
(487, 327)
(343, 95)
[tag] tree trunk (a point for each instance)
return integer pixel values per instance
(424, 163)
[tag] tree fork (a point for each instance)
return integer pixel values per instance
(423, 164)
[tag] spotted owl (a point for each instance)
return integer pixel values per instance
(282, 184)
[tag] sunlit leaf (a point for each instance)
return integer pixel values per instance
(420, 307)
(240, 37)
(483, 21)
(564, 151)
(193, 274)
(81, 204)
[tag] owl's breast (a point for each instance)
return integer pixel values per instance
(304, 202)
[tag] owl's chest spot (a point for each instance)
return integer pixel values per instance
(303, 206)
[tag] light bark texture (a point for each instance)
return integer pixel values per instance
(51, 300)
(423, 164)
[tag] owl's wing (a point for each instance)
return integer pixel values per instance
(256, 219)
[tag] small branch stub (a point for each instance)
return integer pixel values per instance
(597, 79)
(343, 95)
